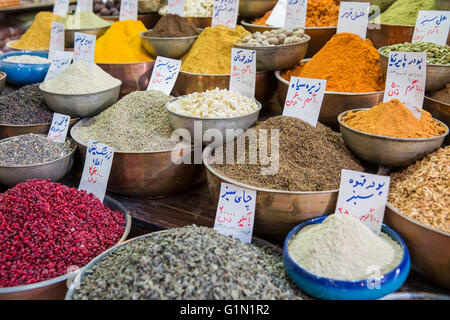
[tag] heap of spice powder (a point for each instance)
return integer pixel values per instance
(25, 106)
(173, 26)
(37, 37)
(348, 63)
(310, 158)
(393, 119)
(422, 190)
(404, 12)
(85, 20)
(121, 43)
(211, 52)
(46, 227)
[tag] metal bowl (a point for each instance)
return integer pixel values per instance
(188, 82)
(81, 105)
(428, 246)
(334, 102)
(387, 151)
(437, 76)
(56, 288)
(200, 22)
(442, 5)
(278, 57)
(69, 34)
(440, 111)
(2, 81)
(134, 76)
(255, 8)
(149, 174)
(24, 73)
(383, 4)
(53, 170)
(181, 121)
(9, 130)
(167, 47)
(148, 19)
(276, 212)
(11, 42)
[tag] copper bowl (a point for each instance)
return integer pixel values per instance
(69, 34)
(149, 19)
(2, 81)
(428, 247)
(200, 22)
(7, 130)
(56, 288)
(439, 110)
(255, 8)
(134, 76)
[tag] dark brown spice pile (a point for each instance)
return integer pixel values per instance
(310, 159)
(173, 26)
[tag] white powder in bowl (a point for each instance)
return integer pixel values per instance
(27, 58)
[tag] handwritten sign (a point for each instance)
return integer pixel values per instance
(363, 196)
(236, 212)
(58, 129)
(56, 39)
(84, 5)
(84, 47)
(97, 166)
(243, 71)
(225, 12)
(164, 74)
(405, 79)
(354, 18)
(296, 13)
(432, 26)
(128, 10)
(60, 7)
(304, 99)
(60, 62)
(176, 7)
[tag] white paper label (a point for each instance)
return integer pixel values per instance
(354, 18)
(304, 99)
(84, 47)
(278, 16)
(225, 12)
(296, 14)
(432, 26)
(363, 196)
(176, 7)
(58, 129)
(61, 7)
(236, 212)
(56, 39)
(128, 10)
(97, 166)
(164, 74)
(405, 79)
(243, 71)
(84, 5)
(60, 62)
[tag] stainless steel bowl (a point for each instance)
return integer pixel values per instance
(333, 102)
(69, 34)
(167, 47)
(428, 247)
(7, 131)
(437, 75)
(255, 8)
(387, 151)
(2, 81)
(149, 174)
(56, 288)
(278, 57)
(148, 19)
(440, 111)
(11, 42)
(53, 170)
(442, 5)
(200, 22)
(81, 105)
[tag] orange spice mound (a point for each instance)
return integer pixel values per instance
(348, 63)
(393, 119)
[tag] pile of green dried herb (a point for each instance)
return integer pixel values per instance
(436, 54)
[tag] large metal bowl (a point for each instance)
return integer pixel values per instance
(9, 130)
(148, 19)
(134, 76)
(255, 8)
(429, 247)
(387, 151)
(69, 34)
(56, 288)
(440, 111)
(278, 57)
(81, 105)
(333, 102)
(442, 5)
(149, 174)
(2, 81)
(11, 42)
(200, 22)
(167, 47)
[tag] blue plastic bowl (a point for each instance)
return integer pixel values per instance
(325, 288)
(24, 73)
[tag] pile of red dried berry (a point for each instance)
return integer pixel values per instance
(46, 227)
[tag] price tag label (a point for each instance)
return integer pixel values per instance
(236, 212)
(363, 196)
(128, 10)
(278, 16)
(354, 18)
(225, 12)
(97, 166)
(60, 62)
(296, 13)
(84, 5)
(176, 7)
(84, 47)
(243, 71)
(58, 129)
(304, 99)
(164, 74)
(61, 7)
(405, 79)
(432, 26)
(56, 39)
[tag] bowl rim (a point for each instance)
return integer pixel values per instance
(88, 29)
(340, 283)
(72, 121)
(141, 34)
(244, 22)
(79, 95)
(389, 24)
(3, 75)
(437, 101)
(22, 53)
(127, 228)
(216, 75)
(10, 42)
(428, 64)
(274, 47)
(386, 137)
